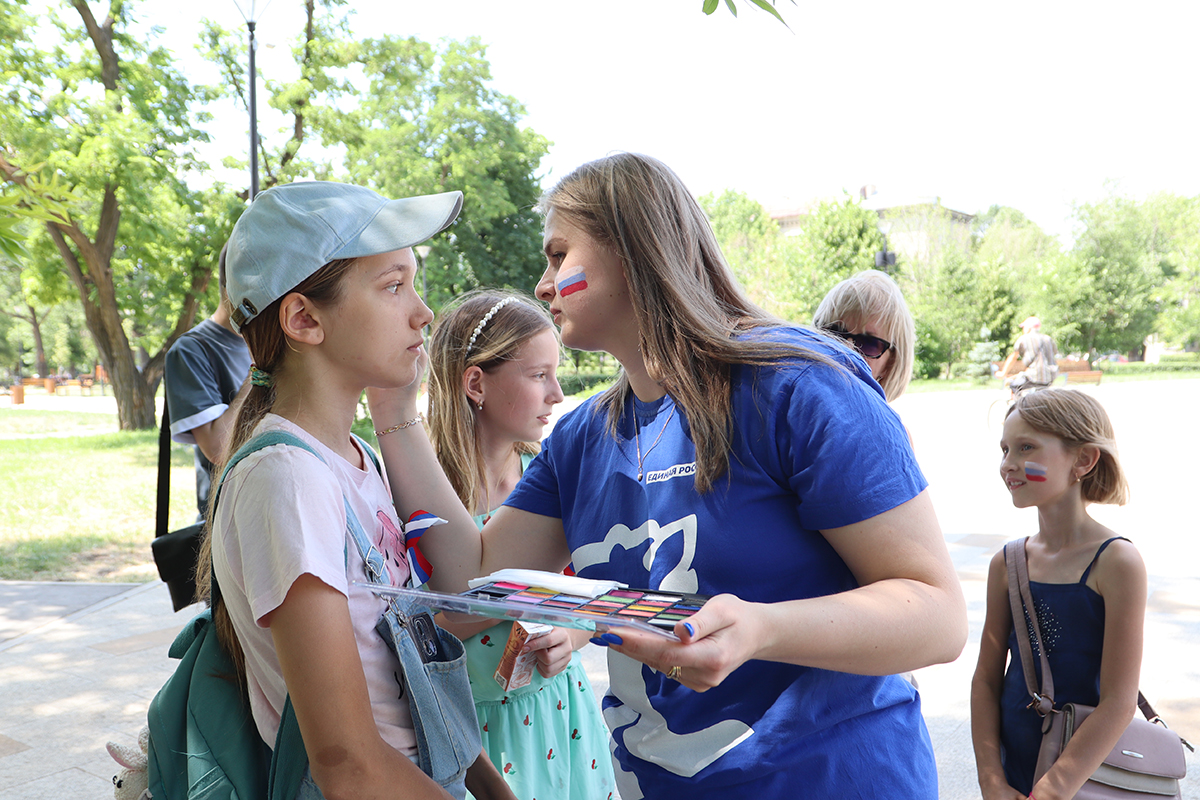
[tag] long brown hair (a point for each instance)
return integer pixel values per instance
(268, 348)
(452, 424)
(687, 303)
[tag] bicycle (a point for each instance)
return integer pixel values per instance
(1014, 387)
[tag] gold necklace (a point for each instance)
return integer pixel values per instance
(637, 440)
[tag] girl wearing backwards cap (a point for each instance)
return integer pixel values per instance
(311, 267)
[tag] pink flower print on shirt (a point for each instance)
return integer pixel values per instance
(391, 544)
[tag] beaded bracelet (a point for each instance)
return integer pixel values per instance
(401, 426)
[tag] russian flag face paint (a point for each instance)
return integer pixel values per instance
(1035, 471)
(572, 284)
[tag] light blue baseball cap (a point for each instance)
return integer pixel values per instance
(291, 231)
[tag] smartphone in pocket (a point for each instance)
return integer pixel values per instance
(424, 631)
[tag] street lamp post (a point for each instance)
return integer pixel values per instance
(251, 23)
(253, 116)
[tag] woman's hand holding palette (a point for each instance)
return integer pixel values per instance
(592, 607)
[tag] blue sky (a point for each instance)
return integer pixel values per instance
(1037, 105)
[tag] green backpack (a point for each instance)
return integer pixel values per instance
(204, 744)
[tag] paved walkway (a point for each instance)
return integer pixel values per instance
(79, 663)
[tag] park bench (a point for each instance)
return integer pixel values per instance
(1085, 376)
(1078, 371)
(83, 384)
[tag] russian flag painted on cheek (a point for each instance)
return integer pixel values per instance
(575, 283)
(1035, 471)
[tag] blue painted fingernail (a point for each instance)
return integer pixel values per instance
(612, 638)
(599, 641)
(691, 631)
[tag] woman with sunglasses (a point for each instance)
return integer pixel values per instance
(736, 456)
(868, 312)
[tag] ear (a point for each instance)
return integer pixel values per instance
(300, 320)
(1086, 460)
(472, 384)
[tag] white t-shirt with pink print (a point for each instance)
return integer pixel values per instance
(280, 516)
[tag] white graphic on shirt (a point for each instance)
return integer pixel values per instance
(650, 739)
(648, 736)
(681, 578)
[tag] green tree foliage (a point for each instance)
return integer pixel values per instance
(842, 237)
(1009, 251)
(789, 275)
(756, 252)
(98, 139)
(405, 117)
(437, 125)
(936, 272)
(766, 5)
(317, 108)
(111, 118)
(1174, 225)
(1121, 255)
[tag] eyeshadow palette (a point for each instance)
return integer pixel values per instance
(648, 610)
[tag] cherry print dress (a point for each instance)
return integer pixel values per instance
(548, 739)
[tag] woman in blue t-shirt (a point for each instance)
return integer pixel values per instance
(736, 456)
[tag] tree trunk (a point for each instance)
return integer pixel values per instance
(97, 295)
(39, 347)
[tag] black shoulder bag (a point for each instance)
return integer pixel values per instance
(175, 553)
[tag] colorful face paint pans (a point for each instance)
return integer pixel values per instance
(654, 611)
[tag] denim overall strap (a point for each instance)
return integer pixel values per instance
(439, 695)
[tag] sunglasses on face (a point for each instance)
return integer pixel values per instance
(870, 346)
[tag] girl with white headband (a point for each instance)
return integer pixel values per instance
(493, 360)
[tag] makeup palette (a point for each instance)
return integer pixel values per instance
(653, 611)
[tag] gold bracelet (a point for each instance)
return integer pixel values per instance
(401, 426)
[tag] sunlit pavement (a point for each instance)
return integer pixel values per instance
(79, 663)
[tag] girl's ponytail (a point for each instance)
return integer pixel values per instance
(268, 347)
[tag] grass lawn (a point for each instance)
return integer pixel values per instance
(78, 498)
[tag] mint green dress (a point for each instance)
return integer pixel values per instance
(548, 739)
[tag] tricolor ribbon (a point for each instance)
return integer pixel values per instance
(419, 567)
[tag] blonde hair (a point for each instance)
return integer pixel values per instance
(452, 423)
(268, 348)
(1078, 420)
(686, 301)
(873, 297)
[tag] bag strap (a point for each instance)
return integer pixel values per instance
(1020, 600)
(162, 501)
(1020, 595)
